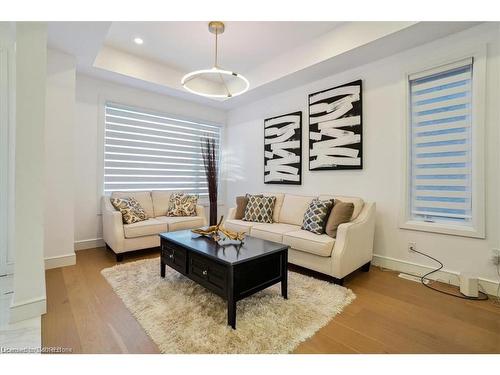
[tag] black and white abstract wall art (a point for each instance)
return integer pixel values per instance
(335, 128)
(283, 149)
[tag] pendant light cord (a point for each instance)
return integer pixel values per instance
(215, 63)
(216, 47)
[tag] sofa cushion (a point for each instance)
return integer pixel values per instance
(182, 222)
(144, 228)
(272, 232)
(302, 240)
(293, 209)
(160, 202)
(358, 202)
(239, 225)
(277, 205)
(143, 197)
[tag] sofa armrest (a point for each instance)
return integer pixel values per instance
(112, 226)
(200, 211)
(354, 243)
(231, 214)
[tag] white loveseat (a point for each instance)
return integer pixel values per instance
(336, 257)
(122, 238)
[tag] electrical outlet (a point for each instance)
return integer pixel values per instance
(495, 258)
(412, 246)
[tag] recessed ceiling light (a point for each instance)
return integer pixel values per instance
(138, 41)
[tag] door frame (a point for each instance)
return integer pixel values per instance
(6, 162)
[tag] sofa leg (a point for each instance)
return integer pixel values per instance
(366, 267)
(338, 281)
(119, 257)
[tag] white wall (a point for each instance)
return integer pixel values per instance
(91, 95)
(59, 159)
(29, 299)
(384, 119)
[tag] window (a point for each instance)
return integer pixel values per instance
(441, 164)
(145, 150)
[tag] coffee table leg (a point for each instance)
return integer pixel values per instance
(231, 302)
(162, 269)
(284, 273)
(231, 313)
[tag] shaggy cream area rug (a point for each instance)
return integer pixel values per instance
(181, 316)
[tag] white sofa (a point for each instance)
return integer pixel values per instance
(122, 238)
(337, 257)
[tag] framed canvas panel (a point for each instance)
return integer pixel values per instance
(336, 128)
(283, 149)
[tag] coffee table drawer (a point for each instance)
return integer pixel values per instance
(208, 273)
(174, 256)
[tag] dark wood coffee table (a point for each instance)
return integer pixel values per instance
(233, 272)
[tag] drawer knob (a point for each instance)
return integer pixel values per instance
(171, 256)
(205, 272)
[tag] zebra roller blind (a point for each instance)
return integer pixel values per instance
(145, 150)
(441, 144)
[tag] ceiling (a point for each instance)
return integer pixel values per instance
(274, 56)
(188, 46)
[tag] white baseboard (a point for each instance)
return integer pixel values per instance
(89, 244)
(444, 275)
(33, 308)
(60, 261)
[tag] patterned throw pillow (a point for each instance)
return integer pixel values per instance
(131, 210)
(316, 215)
(241, 205)
(181, 204)
(259, 209)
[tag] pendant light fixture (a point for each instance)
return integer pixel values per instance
(215, 82)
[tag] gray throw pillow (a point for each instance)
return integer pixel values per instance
(259, 209)
(316, 215)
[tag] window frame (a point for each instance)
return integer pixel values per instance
(118, 99)
(477, 227)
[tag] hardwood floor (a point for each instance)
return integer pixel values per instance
(389, 315)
